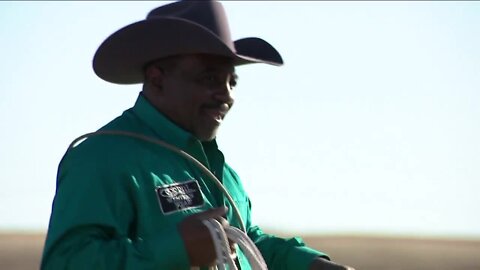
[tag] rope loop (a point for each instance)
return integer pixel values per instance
(220, 238)
(219, 235)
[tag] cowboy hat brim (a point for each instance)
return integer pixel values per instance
(122, 57)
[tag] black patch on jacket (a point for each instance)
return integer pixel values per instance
(179, 196)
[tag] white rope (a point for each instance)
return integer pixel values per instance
(174, 149)
(220, 242)
(222, 246)
(248, 247)
(219, 235)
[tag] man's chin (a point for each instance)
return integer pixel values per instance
(206, 136)
(207, 139)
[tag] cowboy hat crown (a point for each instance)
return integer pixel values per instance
(184, 27)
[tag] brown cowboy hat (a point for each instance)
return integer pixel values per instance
(185, 27)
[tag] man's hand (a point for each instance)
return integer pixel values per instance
(324, 264)
(197, 238)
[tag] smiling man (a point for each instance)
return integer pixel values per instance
(194, 91)
(123, 202)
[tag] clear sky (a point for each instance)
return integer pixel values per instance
(372, 125)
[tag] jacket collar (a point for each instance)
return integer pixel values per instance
(168, 131)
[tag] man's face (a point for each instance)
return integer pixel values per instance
(196, 93)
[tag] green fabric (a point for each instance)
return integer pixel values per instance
(106, 214)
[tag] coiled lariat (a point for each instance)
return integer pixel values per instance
(219, 235)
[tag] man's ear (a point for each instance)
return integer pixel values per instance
(154, 76)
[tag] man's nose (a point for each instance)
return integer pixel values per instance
(224, 93)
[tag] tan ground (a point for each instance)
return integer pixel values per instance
(22, 252)
(382, 253)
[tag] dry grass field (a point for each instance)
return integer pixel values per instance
(384, 253)
(22, 252)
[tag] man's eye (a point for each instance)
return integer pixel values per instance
(233, 83)
(217, 81)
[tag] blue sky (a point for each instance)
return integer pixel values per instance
(372, 125)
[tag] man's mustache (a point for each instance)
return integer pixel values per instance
(223, 106)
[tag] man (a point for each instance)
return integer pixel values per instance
(123, 202)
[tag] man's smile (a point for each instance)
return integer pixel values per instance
(216, 112)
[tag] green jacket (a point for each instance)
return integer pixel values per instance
(119, 200)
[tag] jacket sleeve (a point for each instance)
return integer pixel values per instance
(283, 254)
(280, 253)
(92, 225)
